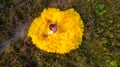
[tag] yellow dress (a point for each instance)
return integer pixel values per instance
(57, 31)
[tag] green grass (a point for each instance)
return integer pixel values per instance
(101, 40)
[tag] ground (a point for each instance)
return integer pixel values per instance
(101, 40)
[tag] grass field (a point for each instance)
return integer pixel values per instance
(101, 40)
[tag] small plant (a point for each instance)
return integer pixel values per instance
(100, 10)
(114, 63)
(110, 21)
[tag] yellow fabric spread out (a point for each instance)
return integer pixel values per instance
(68, 31)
